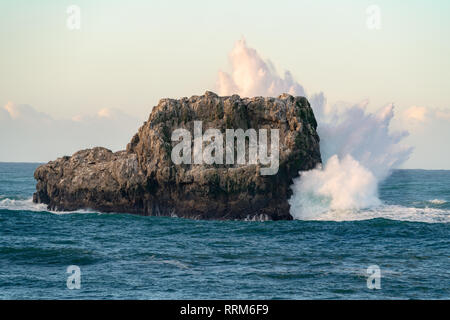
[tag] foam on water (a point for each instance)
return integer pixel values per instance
(339, 185)
(29, 205)
(359, 151)
(315, 208)
(21, 205)
(391, 212)
(437, 201)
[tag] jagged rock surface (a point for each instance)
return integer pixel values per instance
(144, 180)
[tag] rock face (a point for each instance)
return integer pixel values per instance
(144, 179)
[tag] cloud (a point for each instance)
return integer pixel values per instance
(423, 115)
(252, 76)
(443, 114)
(429, 131)
(32, 136)
(103, 114)
(23, 112)
(4, 115)
(416, 114)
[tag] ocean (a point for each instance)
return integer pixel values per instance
(124, 256)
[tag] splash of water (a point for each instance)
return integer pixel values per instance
(340, 185)
(252, 76)
(29, 205)
(358, 149)
(21, 204)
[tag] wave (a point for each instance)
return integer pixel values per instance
(29, 205)
(317, 209)
(21, 205)
(358, 147)
(359, 151)
(437, 201)
(391, 212)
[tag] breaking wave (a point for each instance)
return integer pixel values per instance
(437, 201)
(21, 205)
(29, 205)
(392, 212)
(358, 151)
(358, 148)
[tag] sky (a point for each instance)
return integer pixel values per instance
(64, 89)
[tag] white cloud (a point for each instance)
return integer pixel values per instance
(416, 114)
(102, 114)
(23, 112)
(443, 114)
(4, 115)
(429, 131)
(422, 115)
(105, 113)
(29, 135)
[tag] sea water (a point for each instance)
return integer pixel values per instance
(124, 256)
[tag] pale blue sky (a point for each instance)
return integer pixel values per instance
(129, 54)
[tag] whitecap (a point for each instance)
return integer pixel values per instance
(21, 205)
(437, 201)
(29, 205)
(391, 212)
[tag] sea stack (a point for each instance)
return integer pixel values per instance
(144, 179)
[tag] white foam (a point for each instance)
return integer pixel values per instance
(359, 151)
(29, 205)
(341, 184)
(437, 201)
(392, 212)
(21, 205)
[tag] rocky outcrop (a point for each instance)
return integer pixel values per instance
(145, 180)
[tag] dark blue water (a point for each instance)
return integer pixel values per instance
(132, 257)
